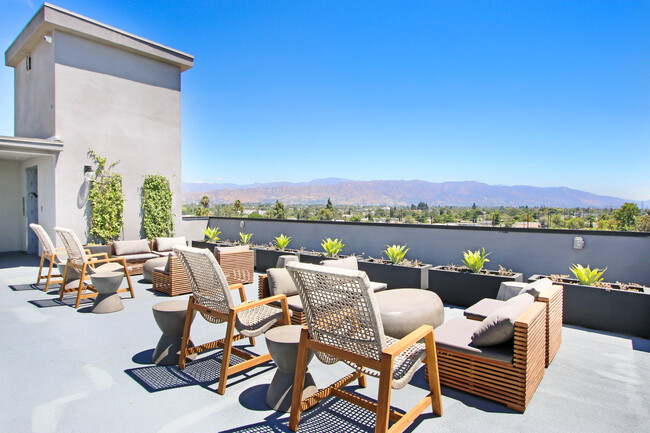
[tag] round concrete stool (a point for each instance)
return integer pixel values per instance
(149, 265)
(170, 317)
(405, 310)
(283, 342)
(106, 284)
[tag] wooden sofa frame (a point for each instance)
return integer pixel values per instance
(512, 384)
(173, 284)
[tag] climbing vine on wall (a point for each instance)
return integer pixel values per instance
(158, 219)
(107, 201)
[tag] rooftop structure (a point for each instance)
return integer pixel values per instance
(80, 85)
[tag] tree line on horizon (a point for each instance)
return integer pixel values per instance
(629, 217)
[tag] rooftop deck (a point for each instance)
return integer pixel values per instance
(68, 370)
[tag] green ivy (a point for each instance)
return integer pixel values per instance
(107, 201)
(158, 219)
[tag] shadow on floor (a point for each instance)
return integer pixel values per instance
(330, 414)
(67, 302)
(23, 287)
(203, 371)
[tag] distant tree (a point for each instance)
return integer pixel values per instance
(423, 206)
(278, 212)
(496, 219)
(473, 206)
(255, 215)
(643, 223)
(237, 207)
(326, 214)
(626, 216)
(330, 206)
(203, 209)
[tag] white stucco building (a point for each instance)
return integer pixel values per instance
(81, 84)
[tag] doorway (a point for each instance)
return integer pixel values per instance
(31, 207)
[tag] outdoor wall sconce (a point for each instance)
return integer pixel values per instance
(578, 243)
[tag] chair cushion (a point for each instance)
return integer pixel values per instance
(231, 249)
(284, 259)
(346, 263)
(293, 302)
(499, 327)
(123, 248)
(280, 282)
(166, 244)
(483, 308)
(456, 334)
(377, 286)
(510, 289)
(537, 287)
(161, 269)
(140, 257)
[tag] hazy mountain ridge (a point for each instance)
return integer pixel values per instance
(399, 193)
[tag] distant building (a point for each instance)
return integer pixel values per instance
(81, 84)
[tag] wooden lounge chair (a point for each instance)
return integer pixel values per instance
(237, 263)
(551, 296)
(508, 373)
(343, 323)
(211, 297)
(81, 265)
(55, 256)
(171, 279)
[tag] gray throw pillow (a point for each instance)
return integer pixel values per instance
(280, 282)
(496, 328)
(231, 249)
(346, 263)
(166, 244)
(537, 287)
(123, 248)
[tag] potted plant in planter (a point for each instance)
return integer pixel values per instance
(266, 256)
(397, 271)
(331, 249)
(595, 304)
(468, 284)
(211, 239)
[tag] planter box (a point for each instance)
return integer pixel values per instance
(265, 258)
(613, 310)
(397, 276)
(464, 288)
(211, 245)
(315, 258)
(95, 249)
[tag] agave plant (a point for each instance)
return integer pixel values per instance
(586, 276)
(245, 237)
(332, 246)
(395, 253)
(281, 242)
(475, 260)
(212, 234)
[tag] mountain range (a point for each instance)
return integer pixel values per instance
(397, 193)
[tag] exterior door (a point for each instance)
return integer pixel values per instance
(31, 207)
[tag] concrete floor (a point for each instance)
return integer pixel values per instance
(66, 370)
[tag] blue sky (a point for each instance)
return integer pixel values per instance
(503, 92)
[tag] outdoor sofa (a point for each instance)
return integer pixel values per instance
(135, 252)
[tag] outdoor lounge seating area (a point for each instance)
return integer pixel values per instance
(111, 368)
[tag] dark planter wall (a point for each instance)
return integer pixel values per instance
(619, 311)
(524, 250)
(396, 276)
(465, 289)
(265, 259)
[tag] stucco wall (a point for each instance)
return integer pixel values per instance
(124, 107)
(11, 209)
(526, 251)
(34, 94)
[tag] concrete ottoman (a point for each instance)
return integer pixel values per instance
(149, 265)
(106, 284)
(170, 317)
(405, 310)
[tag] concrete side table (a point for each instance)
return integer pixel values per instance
(403, 311)
(170, 317)
(106, 284)
(283, 342)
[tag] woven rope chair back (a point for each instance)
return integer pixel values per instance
(208, 282)
(340, 308)
(73, 246)
(46, 242)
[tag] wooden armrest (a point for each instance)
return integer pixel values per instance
(409, 340)
(253, 304)
(264, 291)
(530, 314)
(550, 293)
(104, 255)
(59, 249)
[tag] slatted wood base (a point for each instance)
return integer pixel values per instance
(511, 384)
(238, 266)
(263, 291)
(554, 300)
(174, 284)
